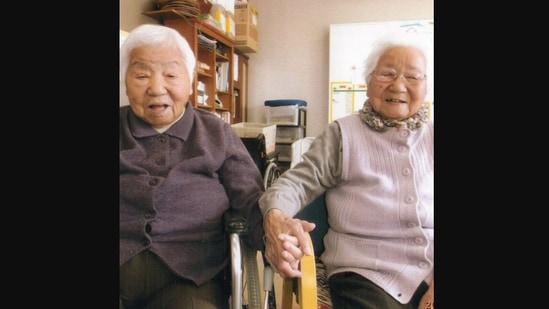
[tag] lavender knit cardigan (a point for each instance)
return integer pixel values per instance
(379, 197)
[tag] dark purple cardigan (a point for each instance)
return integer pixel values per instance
(175, 187)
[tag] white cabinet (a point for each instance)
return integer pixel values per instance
(290, 117)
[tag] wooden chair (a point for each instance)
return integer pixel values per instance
(305, 286)
(311, 290)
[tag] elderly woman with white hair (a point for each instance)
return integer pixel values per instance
(181, 169)
(376, 169)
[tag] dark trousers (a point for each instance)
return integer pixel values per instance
(146, 282)
(351, 290)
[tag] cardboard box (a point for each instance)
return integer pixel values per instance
(252, 129)
(246, 27)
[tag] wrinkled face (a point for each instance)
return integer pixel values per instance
(398, 86)
(157, 84)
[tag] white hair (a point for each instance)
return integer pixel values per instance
(150, 35)
(399, 38)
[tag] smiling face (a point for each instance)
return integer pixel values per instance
(157, 84)
(404, 96)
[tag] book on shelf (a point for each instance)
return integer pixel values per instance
(202, 65)
(222, 76)
(206, 42)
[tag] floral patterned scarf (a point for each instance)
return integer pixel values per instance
(375, 121)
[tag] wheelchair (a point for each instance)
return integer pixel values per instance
(267, 163)
(246, 291)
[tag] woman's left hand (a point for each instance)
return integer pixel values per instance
(428, 299)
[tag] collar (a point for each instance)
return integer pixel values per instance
(375, 121)
(180, 129)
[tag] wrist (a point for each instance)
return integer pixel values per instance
(273, 212)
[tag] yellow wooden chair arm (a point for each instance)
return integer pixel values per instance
(306, 285)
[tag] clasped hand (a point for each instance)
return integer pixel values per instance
(286, 242)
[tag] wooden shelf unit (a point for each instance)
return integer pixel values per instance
(241, 89)
(218, 59)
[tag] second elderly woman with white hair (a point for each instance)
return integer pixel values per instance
(376, 171)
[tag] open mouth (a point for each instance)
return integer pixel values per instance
(395, 101)
(158, 106)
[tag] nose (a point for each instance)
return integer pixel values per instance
(156, 86)
(399, 83)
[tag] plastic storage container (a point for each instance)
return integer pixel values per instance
(284, 112)
(285, 102)
(284, 152)
(288, 134)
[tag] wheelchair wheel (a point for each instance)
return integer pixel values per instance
(272, 172)
(251, 278)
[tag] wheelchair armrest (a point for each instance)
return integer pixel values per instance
(233, 223)
(243, 262)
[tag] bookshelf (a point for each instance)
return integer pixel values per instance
(240, 90)
(213, 86)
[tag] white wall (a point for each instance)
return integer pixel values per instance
(293, 57)
(347, 60)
